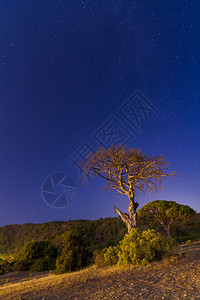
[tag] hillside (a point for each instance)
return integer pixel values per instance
(100, 233)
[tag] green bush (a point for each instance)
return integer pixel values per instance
(1, 269)
(38, 249)
(111, 256)
(75, 254)
(192, 237)
(21, 265)
(143, 247)
(70, 261)
(43, 264)
(99, 258)
(106, 257)
(6, 264)
(189, 242)
(136, 248)
(36, 256)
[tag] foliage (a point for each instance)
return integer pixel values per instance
(106, 257)
(143, 247)
(38, 249)
(21, 265)
(75, 254)
(189, 242)
(136, 248)
(98, 256)
(43, 264)
(99, 233)
(165, 212)
(36, 256)
(6, 263)
(184, 239)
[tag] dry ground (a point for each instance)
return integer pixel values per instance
(170, 279)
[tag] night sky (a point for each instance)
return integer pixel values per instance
(68, 72)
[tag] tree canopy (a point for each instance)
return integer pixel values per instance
(165, 212)
(127, 171)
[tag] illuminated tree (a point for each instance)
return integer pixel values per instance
(127, 171)
(165, 212)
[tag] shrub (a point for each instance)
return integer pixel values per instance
(38, 249)
(107, 257)
(43, 264)
(136, 248)
(36, 256)
(111, 255)
(21, 265)
(192, 237)
(75, 254)
(143, 247)
(6, 264)
(99, 258)
(189, 242)
(68, 262)
(2, 271)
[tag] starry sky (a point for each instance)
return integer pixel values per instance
(69, 73)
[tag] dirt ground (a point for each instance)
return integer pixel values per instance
(171, 279)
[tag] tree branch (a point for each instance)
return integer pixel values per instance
(124, 216)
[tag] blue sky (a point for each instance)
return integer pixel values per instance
(66, 69)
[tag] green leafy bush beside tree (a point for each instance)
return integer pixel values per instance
(139, 247)
(143, 247)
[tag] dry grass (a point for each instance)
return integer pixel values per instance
(170, 279)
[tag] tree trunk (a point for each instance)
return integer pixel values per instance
(167, 229)
(132, 210)
(129, 219)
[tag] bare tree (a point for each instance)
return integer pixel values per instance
(127, 171)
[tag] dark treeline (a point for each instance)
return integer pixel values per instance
(99, 234)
